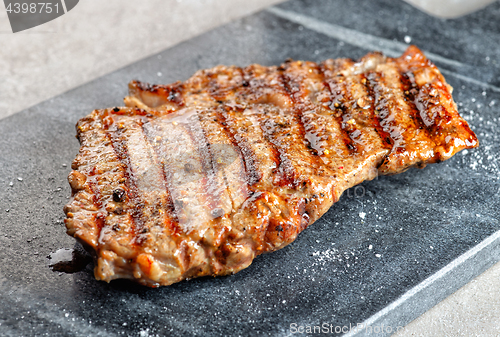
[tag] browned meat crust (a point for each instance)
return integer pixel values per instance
(197, 178)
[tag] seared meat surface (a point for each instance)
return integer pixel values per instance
(197, 178)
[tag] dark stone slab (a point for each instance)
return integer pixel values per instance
(386, 252)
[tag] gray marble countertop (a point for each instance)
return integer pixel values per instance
(97, 38)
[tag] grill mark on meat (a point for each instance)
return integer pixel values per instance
(148, 177)
(312, 132)
(288, 134)
(92, 184)
(339, 103)
(263, 115)
(251, 140)
(239, 183)
(255, 86)
(216, 191)
(292, 87)
(423, 100)
(324, 132)
(185, 170)
(157, 133)
(285, 172)
(349, 122)
(154, 135)
(418, 147)
(362, 113)
(372, 147)
(323, 129)
(312, 136)
(294, 83)
(297, 131)
(96, 195)
(366, 128)
(385, 136)
(169, 217)
(411, 90)
(359, 116)
(384, 117)
(252, 175)
(437, 115)
(175, 215)
(227, 161)
(121, 151)
(354, 96)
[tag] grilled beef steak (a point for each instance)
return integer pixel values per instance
(199, 177)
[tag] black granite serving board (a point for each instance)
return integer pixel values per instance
(382, 256)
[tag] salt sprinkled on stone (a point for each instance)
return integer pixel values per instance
(328, 255)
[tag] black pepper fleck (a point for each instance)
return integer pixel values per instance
(118, 195)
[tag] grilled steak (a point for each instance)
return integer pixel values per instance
(197, 178)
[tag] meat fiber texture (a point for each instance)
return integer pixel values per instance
(199, 177)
